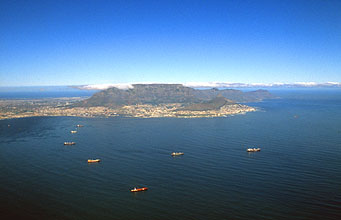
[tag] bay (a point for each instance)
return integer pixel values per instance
(296, 175)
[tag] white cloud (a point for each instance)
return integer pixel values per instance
(217, 85)
(106, 86)
(333, 83)
(306, 84)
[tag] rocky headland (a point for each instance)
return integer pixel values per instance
(143, 101)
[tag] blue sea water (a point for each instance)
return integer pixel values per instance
(296, 175)
(39, 92)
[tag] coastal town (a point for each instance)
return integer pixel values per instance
(176, 111)
(65, 107)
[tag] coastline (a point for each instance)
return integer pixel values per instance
(10, 109)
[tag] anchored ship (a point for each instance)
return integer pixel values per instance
(94, 160)
(253, 149)
(139, 189)
(177, 153)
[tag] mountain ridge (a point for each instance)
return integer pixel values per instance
(169, 93)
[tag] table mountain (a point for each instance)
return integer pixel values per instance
(170, 93)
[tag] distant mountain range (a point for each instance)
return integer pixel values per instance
(173, 93)
(263, 85)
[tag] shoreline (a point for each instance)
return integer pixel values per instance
(130, 116)
(11, 109)
(128, 112)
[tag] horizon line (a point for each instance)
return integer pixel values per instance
(102, 86)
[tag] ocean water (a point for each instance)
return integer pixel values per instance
(40, 92)
(296, 175)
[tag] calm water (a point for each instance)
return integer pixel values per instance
(39, 92)
(297, 175)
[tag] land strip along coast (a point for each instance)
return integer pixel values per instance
(142, 101)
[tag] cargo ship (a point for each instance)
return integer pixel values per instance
(177, 153)
(69, 143)
(94, 160)
(253, 149)
(139, 189)
(73, 132)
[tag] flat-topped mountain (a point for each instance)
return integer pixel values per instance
(143, 94)
(170, 93)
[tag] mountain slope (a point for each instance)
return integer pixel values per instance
(213, 104)
(170, 93)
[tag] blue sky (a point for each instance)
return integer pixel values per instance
(94, 42)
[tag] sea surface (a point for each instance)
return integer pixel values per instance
(41, 92)
(296, 175)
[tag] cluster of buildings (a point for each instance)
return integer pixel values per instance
(175, 110)
(29, 109)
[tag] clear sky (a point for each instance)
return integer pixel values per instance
(92, 42)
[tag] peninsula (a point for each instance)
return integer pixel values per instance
(142, 101)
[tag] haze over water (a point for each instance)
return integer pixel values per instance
(296, 175)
